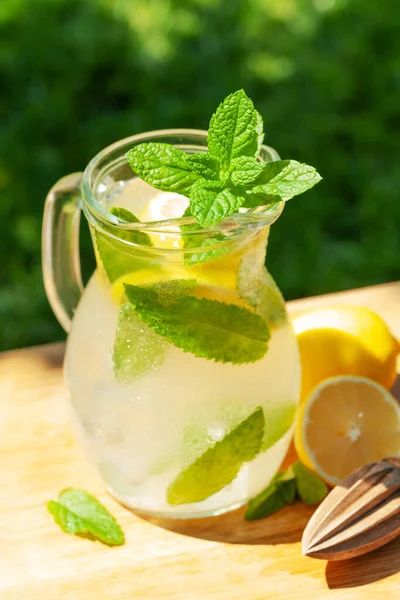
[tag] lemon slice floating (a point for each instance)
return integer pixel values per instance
(346, 422)
(147, 277)
(345, 341)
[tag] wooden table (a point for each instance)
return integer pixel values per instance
(221, 558)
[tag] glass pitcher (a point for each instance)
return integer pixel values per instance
(181, 366)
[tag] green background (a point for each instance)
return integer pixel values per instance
(77, 75)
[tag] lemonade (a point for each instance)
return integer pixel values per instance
(181, 365)
(143, 431)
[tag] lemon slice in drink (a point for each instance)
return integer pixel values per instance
(346, 422)
(147, 277)
(163, 206)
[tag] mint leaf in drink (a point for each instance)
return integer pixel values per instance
(204, 165)
(280, 420)
(257, 287)
(218, 466)
(280, 492)
(163, 166)
(282, 179)
(78, 512)
(206, 249)
(209, 204)
(119, 258)
(137, 349)
(310, 487)
(245, 170)
(134, 236)
(233, 129)
(123, 214)
(206, 328)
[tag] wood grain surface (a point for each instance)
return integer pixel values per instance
(221, 558)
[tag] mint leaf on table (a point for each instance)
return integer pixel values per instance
(282, 179)
(233, 129)
(135, 351)
(310, 487)
(245, 170)
(297, 480)
(78, 512)
(210, 205)
(280, 492)
(162, 166)
(206, 328)
(219, 465)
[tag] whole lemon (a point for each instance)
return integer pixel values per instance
(345, 340)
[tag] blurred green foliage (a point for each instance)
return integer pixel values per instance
(76, 75)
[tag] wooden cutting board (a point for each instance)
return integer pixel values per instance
(222, 558)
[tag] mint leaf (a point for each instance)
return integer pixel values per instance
(162, 166)
(233, 129)
(281, 179)
(259, 131)
(282, 491)
(204, 165)
(218, 466)
(280, 420)
(206, 250)
(206, 328)
(124, 214)
(116, 257)
(210, 205)
(135, 236)
(277, 494)
(137, 349)
(258, 288)
(287, 491)
(77, 512)
(245, 170)
(310, 487)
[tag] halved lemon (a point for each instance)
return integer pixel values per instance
(348, 340)
(346, 422)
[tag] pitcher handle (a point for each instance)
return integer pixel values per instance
(60, 248)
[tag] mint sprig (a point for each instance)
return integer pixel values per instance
(206, 328)
(78, 512)
(230, 174)
(297, 480)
